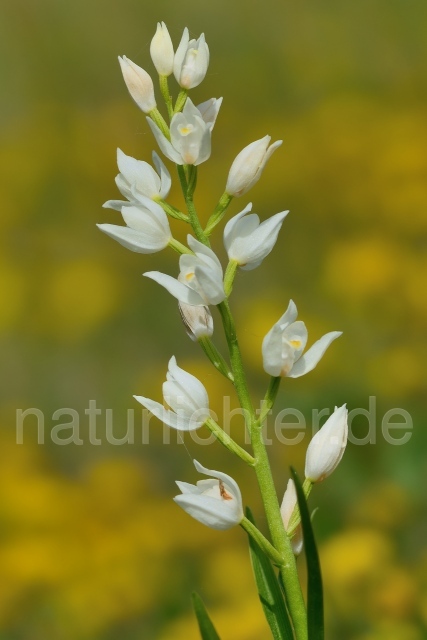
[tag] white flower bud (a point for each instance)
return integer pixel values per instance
(161, 50)
(191, 61)
(248, 165)
(286, 510)
(327, 447)
(139, 84)
(217, 502)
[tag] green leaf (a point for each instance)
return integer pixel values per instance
(315, 621)
(207, 630)
(269, 591)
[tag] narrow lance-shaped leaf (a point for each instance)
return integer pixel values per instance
(315, 621)
(269, 591)
(207, 630)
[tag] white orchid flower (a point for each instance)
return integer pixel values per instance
(286, 510)
(216, 502)
(247, 241)
(248, 166)
(137, 178)
(191, 61)
(139, 84)
(161, 50)
(327, 447)
(200, 282)
(147, 229)
(185, 395)
(190, 136)
(283, 347)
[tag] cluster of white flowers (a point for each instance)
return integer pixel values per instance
(201, 283)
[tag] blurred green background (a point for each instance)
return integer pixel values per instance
(91, 544)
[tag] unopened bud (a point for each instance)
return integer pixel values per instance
(327, 447)
(249, 164)
(161, 50)
(139, 84)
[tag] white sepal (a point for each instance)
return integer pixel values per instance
(139, 84)
(248, 165)
(161, 50)
(185, 395)
(191, 61)
(283, 346)
(247, 241)
(327, 447)
(216, 503)
(209, 111)
(286, 510)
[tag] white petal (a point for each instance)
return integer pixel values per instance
(289, 316)
(309, 360)
(230, 227)
(189, 384)
(204, 147)
(272, 352)
(169, 418)
(262, 241)
(177, 289)
(164, 144)
(186, 487)
(201, 250)
(209, 110)
(115, 204)
(209, 511)
(165, 177)
(180, 55)
(211, 283)
(223, 477)
(134, 240)
(138, 173)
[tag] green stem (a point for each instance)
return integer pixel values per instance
(164, 89)
(180, 101)
(262, 541)
(192, 213)
(172, 211)
(228, 442)
(281, 541)
(295, 518)
(218, 213)
(177, 246)
(230, 274)
(269, 399)
(215, 357)
(157, 117)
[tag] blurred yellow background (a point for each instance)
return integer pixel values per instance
(91, 544)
